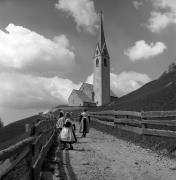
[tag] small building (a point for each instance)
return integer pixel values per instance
(85, 96)
(80, 98)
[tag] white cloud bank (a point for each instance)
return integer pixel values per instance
(164, 13)
(83, 12)
(24, 50)
(30, 66)
(125, 82)
(142, 50)
(18, 91)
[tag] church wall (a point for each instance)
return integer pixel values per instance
(105, 81)
(74, 100)
(89, 104)
(97, 81)
(86, 91)
(102, 81)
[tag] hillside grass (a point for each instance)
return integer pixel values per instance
(15, 132)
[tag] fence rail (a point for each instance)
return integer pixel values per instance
(25, 158)
(156, 123)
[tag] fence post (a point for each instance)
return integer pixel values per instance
(143, 125)
(27, 128)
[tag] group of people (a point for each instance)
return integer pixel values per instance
(66, 128)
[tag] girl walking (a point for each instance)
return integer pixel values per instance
(67, 135)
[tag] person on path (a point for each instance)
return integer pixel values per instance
(67, 135)
(84, 122)
(59, 125)
(60, 122)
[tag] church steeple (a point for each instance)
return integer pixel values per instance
(101, 40)
(101, 69)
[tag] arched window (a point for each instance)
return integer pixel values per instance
(105, 62)
(97, 51)
(97, 62)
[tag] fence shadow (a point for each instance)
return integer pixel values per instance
(57, 165)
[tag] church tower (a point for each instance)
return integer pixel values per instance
(101, 80)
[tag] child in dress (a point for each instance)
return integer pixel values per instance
(61, 121)
(67, 135)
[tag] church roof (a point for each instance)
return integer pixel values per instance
(82, 96)
(87, 86)
(101, 45)
(101, 40)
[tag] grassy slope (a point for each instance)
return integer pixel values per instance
(156, 95)
(14, 132)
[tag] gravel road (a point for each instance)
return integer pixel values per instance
(101, 156)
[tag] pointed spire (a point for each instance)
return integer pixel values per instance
(101, 40)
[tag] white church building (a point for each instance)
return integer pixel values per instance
(98, 93)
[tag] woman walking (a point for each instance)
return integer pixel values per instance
(84, 123)
(67, 135)
(60, 123)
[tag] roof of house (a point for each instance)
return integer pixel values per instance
(87, 86)
(82, 96)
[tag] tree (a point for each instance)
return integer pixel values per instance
(1, 123)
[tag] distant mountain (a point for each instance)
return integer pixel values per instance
(159, 94)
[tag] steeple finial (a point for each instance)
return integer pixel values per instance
(101, 31)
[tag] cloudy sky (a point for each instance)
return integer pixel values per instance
(46, 48)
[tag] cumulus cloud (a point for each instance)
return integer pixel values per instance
(26, 51)
(125, 82)
(142, 50)
(164, 13)
(83, 12)
(137, 4)
(19, 91)
(159, 21)
(89, 79)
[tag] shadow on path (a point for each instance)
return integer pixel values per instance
(57, 165)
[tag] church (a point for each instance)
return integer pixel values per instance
(98, 93)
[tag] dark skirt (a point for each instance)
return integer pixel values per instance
(84, 125)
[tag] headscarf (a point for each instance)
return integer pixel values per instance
(67, 115)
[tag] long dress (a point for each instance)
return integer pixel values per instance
(84, 123)
(67, 134)
(60, 123)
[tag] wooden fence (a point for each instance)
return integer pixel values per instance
(24, 159)
(155, 123)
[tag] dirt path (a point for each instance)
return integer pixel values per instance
(101, 156)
